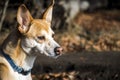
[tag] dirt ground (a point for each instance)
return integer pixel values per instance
(98, 31)
(79, 66)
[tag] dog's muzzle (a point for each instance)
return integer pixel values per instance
(58, 51)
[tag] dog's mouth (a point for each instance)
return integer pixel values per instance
(36, 52)
(52, 55)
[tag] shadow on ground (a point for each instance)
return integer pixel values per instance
(79, 66)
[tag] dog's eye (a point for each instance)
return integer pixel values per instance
(41, 37)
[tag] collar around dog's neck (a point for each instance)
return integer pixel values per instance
(16, 68)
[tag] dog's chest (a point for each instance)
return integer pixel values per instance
(11, 74)
(15, 75)
(22, 77)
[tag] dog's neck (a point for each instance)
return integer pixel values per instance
(12, 47)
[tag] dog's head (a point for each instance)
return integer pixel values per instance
(37, 33)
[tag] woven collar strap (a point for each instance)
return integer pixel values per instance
(16, 68)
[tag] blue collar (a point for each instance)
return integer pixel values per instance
(16, 68)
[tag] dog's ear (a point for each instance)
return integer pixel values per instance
(48, 13)
(24, 18)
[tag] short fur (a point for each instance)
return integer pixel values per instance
(30, 38)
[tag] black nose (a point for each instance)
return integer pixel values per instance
(58, 50)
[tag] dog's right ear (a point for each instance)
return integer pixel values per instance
(48, 13)
(24, 18)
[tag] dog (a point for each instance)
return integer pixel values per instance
(24, 43)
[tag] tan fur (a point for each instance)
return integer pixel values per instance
(48, 12)
(22, 43)
(3, 70)
(12, 46)
(36, 27)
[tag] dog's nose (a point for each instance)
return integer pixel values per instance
(58, 50)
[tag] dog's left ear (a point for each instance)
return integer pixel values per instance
(48, 13)
(24, 18)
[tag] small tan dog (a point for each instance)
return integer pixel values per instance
(32, 37)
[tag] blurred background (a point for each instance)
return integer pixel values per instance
(88, 30)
